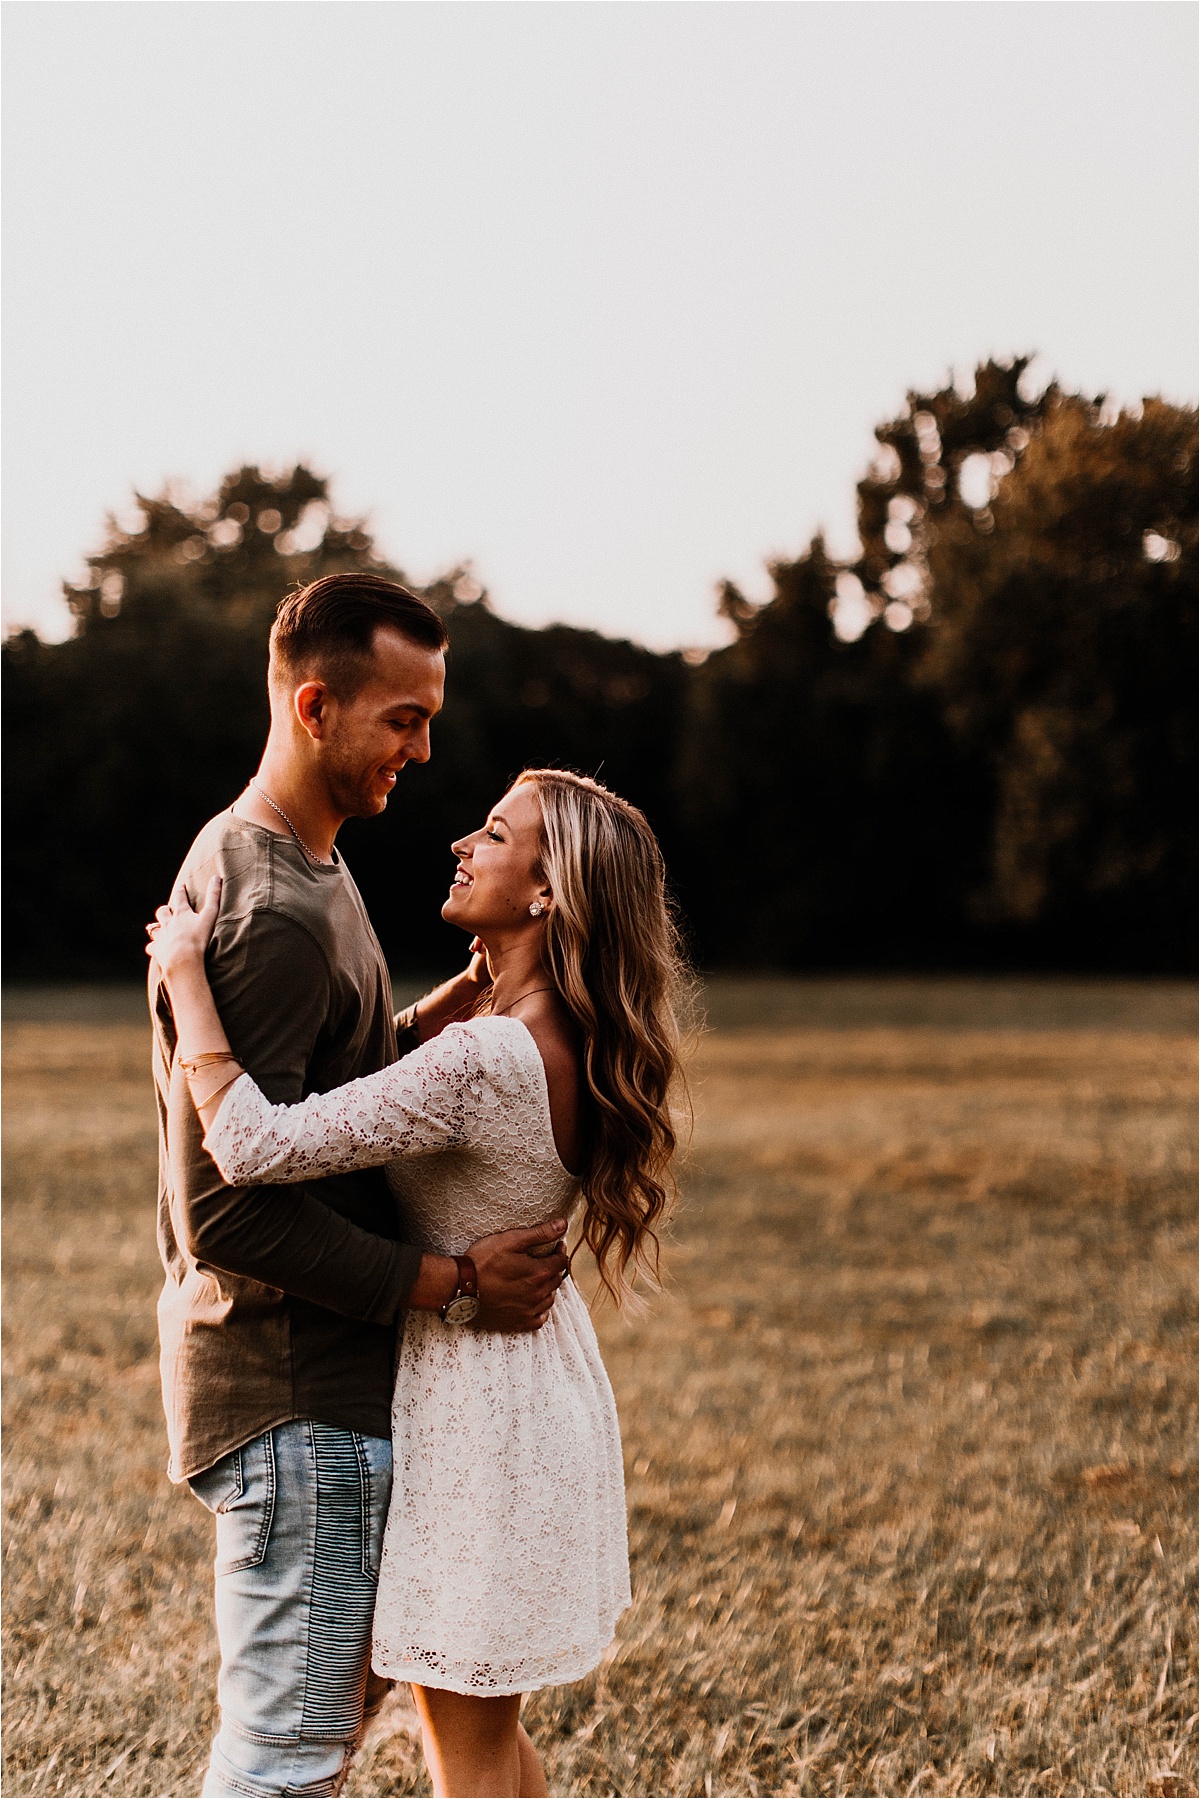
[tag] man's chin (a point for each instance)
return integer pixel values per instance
(369, 805)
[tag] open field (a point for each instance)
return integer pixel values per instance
(910, 1441)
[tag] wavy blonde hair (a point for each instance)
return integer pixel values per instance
(612, 951)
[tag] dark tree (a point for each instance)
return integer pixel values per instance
(1064, 654)
(121, 741)
(988, 759)
(999, 765)
(827, 817)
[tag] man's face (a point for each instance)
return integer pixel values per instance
(368, 737)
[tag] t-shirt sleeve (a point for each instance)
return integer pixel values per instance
(272, 989)
(411, 1108)
(408, 1036)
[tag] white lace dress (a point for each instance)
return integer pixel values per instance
(505, 1564)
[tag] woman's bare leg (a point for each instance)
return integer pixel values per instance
(472, 1744)
(533, 1779)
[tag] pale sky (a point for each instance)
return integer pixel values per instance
(604, 296)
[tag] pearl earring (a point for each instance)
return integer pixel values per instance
(536, 909)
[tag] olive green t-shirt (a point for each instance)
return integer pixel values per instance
(279, 1302)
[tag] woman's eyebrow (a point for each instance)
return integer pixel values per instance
(498, 818)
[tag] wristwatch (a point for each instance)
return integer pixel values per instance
(463, 1305)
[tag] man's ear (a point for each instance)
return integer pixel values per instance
(310, 702)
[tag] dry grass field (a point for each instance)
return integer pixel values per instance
(910, 1440)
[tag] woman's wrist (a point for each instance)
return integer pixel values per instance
(210, 1081)
(197, 1021)
(184, 970)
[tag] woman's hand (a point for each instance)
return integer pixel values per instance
(178, 940)
(477, 968)
(179, 936)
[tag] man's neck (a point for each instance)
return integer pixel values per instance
(282, 799)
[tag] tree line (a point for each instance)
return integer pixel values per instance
(973, 745)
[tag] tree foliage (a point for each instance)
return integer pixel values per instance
(151, 717)
(999, 763)
(1064, 656)
(821, 800)
(974, 743)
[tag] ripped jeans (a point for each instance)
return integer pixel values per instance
(300, 1513)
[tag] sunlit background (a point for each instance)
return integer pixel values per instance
(606, 298)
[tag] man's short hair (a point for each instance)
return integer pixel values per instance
(327, 630)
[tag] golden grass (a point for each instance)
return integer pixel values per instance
(910, 1441)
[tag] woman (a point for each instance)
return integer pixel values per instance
(505, 1565)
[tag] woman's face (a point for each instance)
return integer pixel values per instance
(497, 878)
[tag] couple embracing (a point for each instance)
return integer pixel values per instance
(377, 1371)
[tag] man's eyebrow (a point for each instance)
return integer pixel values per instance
(411, 706)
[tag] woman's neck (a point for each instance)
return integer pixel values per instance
(517, 969)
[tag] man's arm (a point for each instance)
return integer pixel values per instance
(271, 987)
(285, 1237)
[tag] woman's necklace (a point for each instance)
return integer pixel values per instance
(516, 1002)
(311, 854)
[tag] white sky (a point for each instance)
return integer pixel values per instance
(605, 296)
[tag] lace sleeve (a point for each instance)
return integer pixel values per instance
(410, 1108)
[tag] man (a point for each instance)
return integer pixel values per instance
(279, 1313)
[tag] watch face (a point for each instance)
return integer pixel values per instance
(461, 1310)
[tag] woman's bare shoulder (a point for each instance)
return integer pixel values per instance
(558, 1045)
(556, 1038)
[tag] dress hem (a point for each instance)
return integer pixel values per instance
(456, 1680)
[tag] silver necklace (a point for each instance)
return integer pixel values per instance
(311, 854)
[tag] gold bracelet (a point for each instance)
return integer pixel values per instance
(192, 1065)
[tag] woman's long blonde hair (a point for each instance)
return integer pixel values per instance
(612, 950)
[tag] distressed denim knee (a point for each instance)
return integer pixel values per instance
(242, 1770)
(300, 1513)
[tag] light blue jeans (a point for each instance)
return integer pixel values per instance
(300, 1513)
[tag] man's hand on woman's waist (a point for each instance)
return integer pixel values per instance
(519, 1274)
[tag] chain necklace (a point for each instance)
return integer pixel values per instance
(516, 1002)
(316, 860)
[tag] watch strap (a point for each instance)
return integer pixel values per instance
(467, 1286)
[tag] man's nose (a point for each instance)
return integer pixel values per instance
(418, 748)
